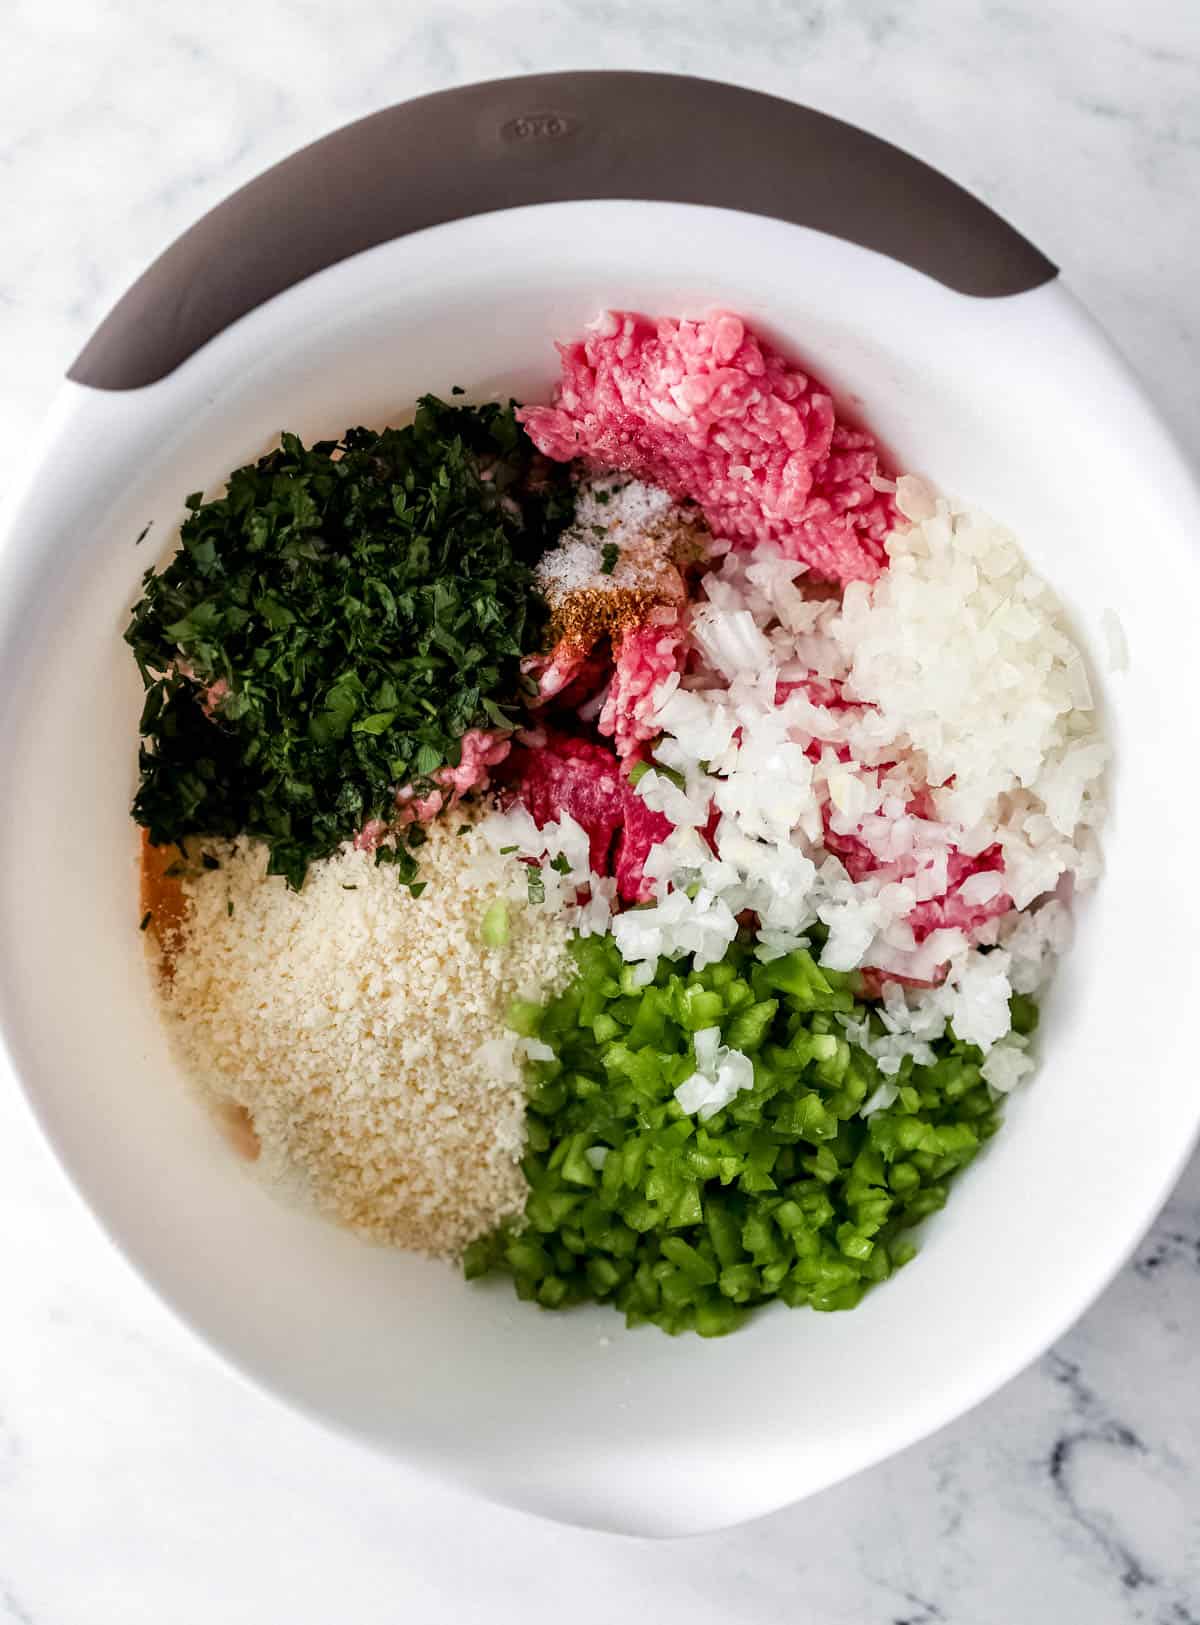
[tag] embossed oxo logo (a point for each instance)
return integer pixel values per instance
(537, 127)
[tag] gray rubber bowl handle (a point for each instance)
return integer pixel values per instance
(549, 138)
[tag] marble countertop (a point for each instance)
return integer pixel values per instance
(139, 1481)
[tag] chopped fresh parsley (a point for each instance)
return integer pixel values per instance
(609, 554)
(401, 860)
(334, 623)
(561, 863)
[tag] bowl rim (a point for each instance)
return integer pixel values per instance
(548, 138)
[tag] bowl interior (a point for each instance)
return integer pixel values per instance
(570, 1415)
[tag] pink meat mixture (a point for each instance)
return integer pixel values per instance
(948, 911)
(481, 751)
(582, 778)
(562, 774)
(642, 659)
(707, 411)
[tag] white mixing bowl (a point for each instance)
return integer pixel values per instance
(1010, 398)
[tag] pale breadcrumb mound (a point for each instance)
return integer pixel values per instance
(363, 1029)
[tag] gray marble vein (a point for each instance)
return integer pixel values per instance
(141, 1483)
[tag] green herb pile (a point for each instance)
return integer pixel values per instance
(787, 1193)
(346, 613)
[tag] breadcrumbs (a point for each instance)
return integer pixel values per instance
(360, 1031)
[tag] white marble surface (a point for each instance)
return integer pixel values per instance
(141, 1482)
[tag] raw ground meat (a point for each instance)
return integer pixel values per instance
(568, 676)
(641, 829)
(577, 776)
(618, 681)
(950, 910)
(706, 411)
(556, 671)
(643, 657)
(554, 773)
(481, 751)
